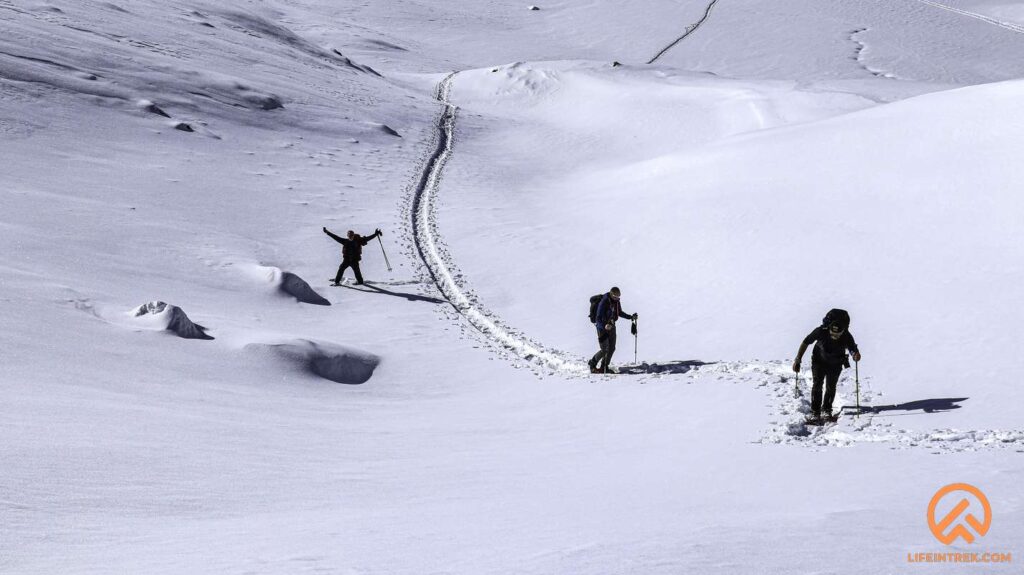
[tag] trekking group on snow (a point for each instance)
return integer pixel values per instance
(832, 339)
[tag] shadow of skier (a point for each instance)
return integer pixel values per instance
(670, 367)
(370, 288)
(936, 405)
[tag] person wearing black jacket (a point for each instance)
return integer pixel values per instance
(351, 253)
(831, 342)
(609, 310)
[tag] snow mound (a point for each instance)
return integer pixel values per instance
(297, 288)
(286, 283)
(327, 360)
(158, 315)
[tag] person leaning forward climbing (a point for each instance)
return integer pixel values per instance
(351, 253)
(609, 310)
(831, 341)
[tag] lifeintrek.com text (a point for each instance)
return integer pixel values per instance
(959, 557)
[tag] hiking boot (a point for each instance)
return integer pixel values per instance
(814, 418)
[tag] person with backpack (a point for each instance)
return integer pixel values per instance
(351, 253)
(832, 339)
(605, 310)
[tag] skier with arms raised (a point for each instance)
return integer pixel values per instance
(351, 253)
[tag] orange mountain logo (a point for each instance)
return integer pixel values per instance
(954, 524)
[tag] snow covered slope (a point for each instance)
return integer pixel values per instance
(740, 217)
(183, 393)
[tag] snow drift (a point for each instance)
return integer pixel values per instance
(327, 360)
(157, 315)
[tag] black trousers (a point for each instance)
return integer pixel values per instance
(345, 264)
(826, 375)
(607, 341)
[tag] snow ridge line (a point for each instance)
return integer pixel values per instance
(1007, 25)
(689, 30)
(442, 272)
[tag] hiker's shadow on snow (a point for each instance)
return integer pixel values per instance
(936, 405)
(668, 367)
(368, 288)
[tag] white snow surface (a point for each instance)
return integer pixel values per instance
(781, 159)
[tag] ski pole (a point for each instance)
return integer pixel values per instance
(635, 338)
(384, 252)
(856, 376)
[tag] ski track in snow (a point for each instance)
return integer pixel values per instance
(689, 30)
(789, 404)
(1007, 25)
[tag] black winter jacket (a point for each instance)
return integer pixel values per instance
(352, 250)
(831, 352)
(608, 311)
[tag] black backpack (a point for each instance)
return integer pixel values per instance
(594, 300)
(839, 316)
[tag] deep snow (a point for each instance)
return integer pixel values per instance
(782, 159)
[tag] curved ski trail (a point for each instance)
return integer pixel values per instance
(439, 265)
